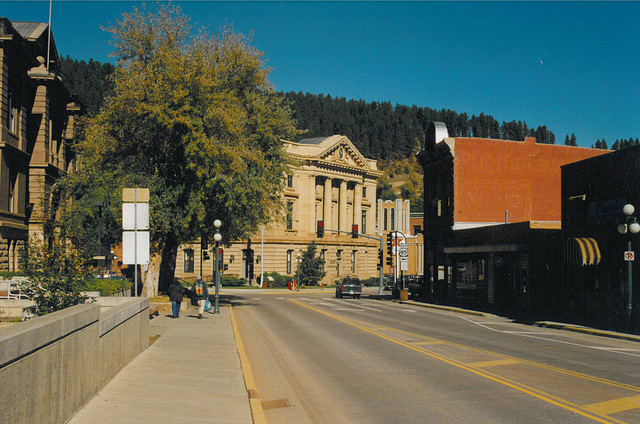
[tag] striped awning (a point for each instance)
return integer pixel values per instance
(582, 251)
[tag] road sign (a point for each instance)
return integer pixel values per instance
(132, 240)
(629, 256)
(404, 263)
(135, 216)
(403, 252)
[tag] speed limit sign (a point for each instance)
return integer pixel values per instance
(629, 256)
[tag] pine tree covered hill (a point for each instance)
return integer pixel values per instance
(89, 81)
(378, 129)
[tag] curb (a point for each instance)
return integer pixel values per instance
(257, 413)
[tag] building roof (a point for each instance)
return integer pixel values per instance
(36, 34)
(316, 140)
(30, 30)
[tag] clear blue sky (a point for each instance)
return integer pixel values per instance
(572, 66)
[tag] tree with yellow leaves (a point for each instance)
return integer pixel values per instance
(194, 118)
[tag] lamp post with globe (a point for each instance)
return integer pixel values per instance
(217, 237)
(629, 226)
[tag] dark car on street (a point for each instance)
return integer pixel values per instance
(350, 286)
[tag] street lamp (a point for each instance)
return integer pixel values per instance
(217, 237)
(632, 226)
(299, 260)
(98, 203)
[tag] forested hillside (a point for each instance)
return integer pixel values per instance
(379, 129)
(384, 131)
(89, 81)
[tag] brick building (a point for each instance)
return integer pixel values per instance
(595, 287)
(471, 186)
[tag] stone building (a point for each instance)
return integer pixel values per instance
(36, 127)
(331, 182)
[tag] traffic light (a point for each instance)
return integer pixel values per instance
(220, 254)
(204, 246)
(381, 256)
(389, 249)
(354, 231)
(320, 229)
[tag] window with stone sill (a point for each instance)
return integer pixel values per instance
(188, 260)
(12, 117)
(289, 215)
(289, 262)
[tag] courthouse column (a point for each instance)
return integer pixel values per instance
(342, 217)
(326, 203)
(357, 206)
(311, 211)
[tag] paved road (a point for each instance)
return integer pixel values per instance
(318, 359)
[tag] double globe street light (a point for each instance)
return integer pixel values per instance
(217, 237)
(630, 225)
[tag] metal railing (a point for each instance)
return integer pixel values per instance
(14, 294)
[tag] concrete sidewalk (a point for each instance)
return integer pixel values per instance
(190, 374)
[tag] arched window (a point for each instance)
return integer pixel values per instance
(386, 219)
(393, 219)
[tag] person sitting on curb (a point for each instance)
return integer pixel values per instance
(201, 294)
(176, 294)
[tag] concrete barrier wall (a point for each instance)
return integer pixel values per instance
(51, 366)
(124, 334)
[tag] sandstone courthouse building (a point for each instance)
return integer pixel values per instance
(331, 182)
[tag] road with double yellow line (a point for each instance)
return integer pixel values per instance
(318, 359)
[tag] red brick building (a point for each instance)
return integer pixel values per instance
(476, 182)
(500, 180)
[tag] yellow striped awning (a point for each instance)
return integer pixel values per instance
(582, 251)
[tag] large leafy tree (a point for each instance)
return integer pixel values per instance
(194, 118)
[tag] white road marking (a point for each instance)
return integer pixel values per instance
(534, 335)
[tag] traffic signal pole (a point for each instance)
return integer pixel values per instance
(354, 234)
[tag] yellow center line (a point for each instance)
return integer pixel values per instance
(547, 397)
(495, 363)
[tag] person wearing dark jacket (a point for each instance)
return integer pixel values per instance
(201, 294)
(176, 294)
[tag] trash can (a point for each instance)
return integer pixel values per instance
(404, 294)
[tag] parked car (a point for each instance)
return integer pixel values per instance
(350, 286)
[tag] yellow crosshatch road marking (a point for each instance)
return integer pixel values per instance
(495, 363)
(614, 406)
(597, 412)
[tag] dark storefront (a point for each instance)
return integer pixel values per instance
(510, 269)
(594, 191)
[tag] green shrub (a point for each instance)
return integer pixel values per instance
(107, 287)
(373, 281)
(279, 281)
(55, 272)
(229, 281)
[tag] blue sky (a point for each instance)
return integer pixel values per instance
(572, 66)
